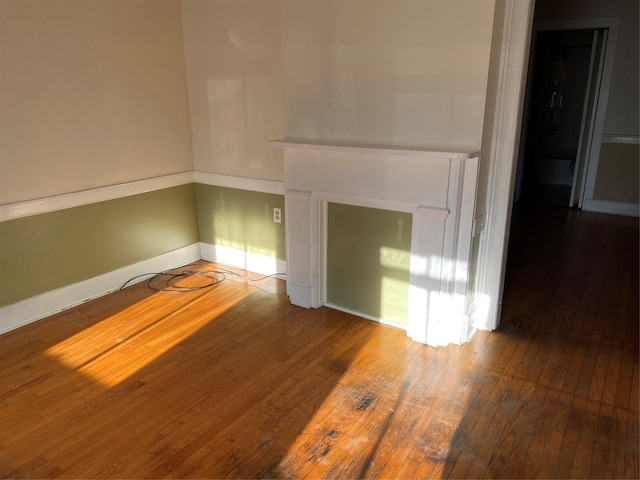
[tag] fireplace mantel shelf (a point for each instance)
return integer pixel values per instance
(459, 154)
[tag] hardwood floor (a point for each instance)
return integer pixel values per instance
(234, 382)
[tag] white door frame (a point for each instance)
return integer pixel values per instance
(505, 142)
(589, 109)
(492, 256)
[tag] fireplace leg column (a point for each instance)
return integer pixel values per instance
(302, 249)
(425, 313)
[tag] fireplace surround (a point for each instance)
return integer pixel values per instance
(438, 188)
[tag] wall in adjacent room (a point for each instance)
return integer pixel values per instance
(618, 176)
(622, 108)
(618, 173)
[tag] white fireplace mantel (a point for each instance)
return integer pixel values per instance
(438, 187)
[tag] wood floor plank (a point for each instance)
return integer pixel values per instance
(599, 373)
(474, 421)
(631, 468)
(528, 431)
(490, 427)
(520, 393)
(605, 435)
(556, 427)
(566, 346)
(585, 376)
(625, 379)
(571, 436)
(586, 441)
(436, 429)
(553, 346)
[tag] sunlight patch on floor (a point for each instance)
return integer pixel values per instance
(117, 347)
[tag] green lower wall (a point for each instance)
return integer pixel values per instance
(368, 254)
(42, 252)
(241, 219)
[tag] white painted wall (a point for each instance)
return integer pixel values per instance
(233, 63)
(93, 93)
(402, 72)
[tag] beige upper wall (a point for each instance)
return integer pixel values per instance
(92, 93)
(402, 72)
(233, 62)
(622, 108)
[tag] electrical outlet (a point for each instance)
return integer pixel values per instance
(277, 215)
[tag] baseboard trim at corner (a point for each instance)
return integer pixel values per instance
(389, 323)
(35, 308)
(252, 262)
(614, 208)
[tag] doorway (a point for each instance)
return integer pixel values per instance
(506, 135)
(558, 123)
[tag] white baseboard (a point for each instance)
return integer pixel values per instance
(615, 208)
(34, 308)
(40, 306)
(253, 262)
(365, 316)
(300, 295)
